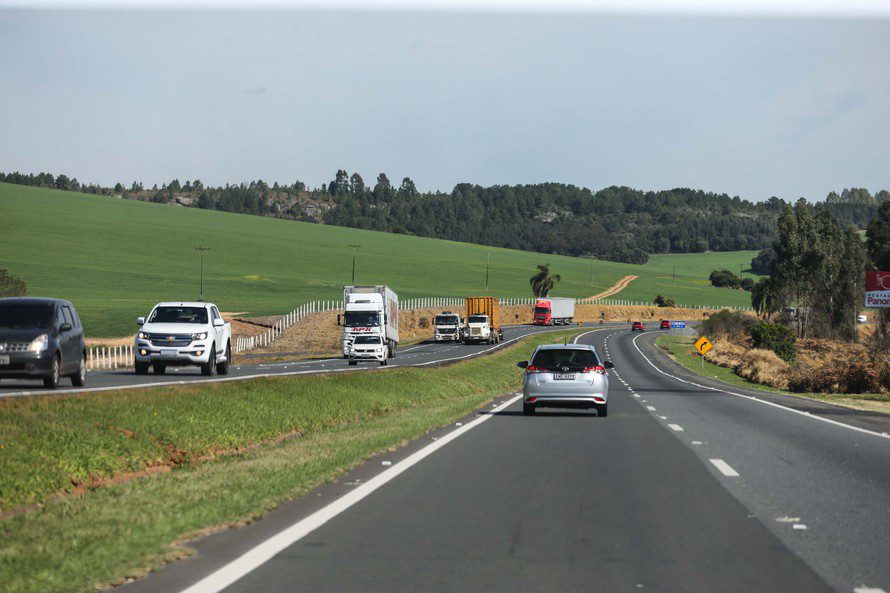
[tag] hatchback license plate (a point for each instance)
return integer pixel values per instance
(563, 376)
(4, 360)
(168, 352)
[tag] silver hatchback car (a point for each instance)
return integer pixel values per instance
(565, 376)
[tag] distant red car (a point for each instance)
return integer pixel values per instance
(637, 326)
(665, 324)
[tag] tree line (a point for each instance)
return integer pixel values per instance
(614, 223)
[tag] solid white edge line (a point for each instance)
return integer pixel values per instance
(266, 550)
(757, 399)
(724, 468)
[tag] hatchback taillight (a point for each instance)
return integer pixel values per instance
(534, 369)
(597, 369)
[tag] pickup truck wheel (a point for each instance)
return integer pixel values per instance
(208, 367)
(159, 368)
(80, 378)
(51, 381)
(222, 368)
(141, 368)
(384, 362)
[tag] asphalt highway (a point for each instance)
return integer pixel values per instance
(687, 485)
(423, 354)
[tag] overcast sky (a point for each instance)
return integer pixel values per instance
(748, 106)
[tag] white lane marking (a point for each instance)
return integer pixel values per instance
(663, 417)
(800, 526)
(637, 395)
(650, 408)
(758, 400)
(696, 442)
(724, 468)
(265, 551)
(867, 589)
(675, 427)
(787, 519)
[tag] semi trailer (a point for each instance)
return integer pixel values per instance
(370, 310)
(554, 311)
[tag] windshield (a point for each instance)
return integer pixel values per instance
(363, 319)
(477, 319)
(179, 315)
(26, 315)
(542, 309)
(367, 340)
(446, 320)
(550, 358)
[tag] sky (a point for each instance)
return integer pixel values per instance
(753, 106)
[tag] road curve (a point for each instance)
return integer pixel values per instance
(681, 488)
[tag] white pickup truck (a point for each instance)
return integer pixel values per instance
(183, 334)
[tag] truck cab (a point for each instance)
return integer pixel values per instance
(448, 327)
(370, 311)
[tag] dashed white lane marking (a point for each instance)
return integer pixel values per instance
(636, 395)
(265, 551)
(663, 417)
(724, 468)
(867, 589)
(696, 442)
(675, 427)
(650, 408)
(757, 399)
(799, 526)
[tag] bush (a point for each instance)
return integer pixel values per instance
(727, 324)
(814, 381)
(775, 337)
(11, 286)
(663, 301)
(724, 278)
(860, 377)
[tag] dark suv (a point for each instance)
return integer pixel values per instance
(41, 339)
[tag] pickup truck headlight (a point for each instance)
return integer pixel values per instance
(142, 336)
(39, 344)
(200, 336)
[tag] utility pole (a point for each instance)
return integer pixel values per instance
(487, 264)
(202, 250)
(674, 275)
(591, 271)
(353, 260)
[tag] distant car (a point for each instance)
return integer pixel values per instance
(862, 319)
(637, 326)
(665, 324)
(41, 339)
(183, 334)
(565, 376)
(368, 347)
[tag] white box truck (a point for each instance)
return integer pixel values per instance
(370, 310)
(554, 311)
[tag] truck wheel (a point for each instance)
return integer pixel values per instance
(80, 378)
(222, 368)
(384, 362)
(51, 381)
(159, 368)
(141, 368)
(208, 367)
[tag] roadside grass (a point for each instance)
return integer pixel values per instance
(234, 451)
(680, 349)
(115, 258)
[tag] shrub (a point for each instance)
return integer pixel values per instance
(11, 286)
(724, 278)
(663, 301)
(814, 381)
(775, 337)
(860, 377)
(727, 324)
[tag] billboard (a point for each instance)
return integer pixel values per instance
(678, 325)
(877, 289)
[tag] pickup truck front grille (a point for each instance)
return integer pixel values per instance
(170, 340)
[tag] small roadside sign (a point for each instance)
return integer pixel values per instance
(703, 345)
(678, 325)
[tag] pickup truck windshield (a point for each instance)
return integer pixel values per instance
(446, 320)
(477, 319)
(26, 316)
(367, 340)
(361, 319)
(179, 315)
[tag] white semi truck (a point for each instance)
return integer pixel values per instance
(448, 327)
(370, 310)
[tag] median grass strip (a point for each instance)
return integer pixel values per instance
(681, 350)
(228, 453)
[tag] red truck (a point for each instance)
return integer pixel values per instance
(554, 311)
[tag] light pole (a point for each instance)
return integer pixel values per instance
(487, 265)
(202, 250)
(591, 270)
(353, 260)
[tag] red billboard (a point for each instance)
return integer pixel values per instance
(877, 289)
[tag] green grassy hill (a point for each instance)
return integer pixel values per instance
(115, 258)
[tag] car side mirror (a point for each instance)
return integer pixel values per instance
(607, 364)
(65, 327)
(218, 323)
(522, 364)
(140, 321)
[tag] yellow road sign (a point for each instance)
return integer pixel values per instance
(703, 345)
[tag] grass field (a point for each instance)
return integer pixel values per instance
(225, 452)
(115, 258)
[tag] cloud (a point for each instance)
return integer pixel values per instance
(260, 90)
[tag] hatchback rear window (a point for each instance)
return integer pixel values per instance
(548, 359)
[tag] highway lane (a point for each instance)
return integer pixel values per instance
(679, 489)
(416, 355)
